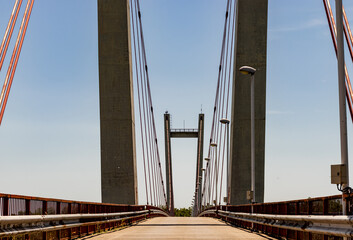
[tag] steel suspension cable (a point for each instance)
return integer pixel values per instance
(148, 107)
(349, 40)
(222, 131)
(333, 31)
(211, 165)
(149, 101)
(230, 51)
(219, 129)
(155, 177)
(150, 98)
(144, 108)
(231, 69)
(139, 104)
(9, 30)
(15, 56)
(215, 168)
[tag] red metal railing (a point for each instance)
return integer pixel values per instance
(331, 205)
(14, 205)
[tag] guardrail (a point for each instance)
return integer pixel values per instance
(195, 130)
(313, 218)
(341, 226)
(45, 218)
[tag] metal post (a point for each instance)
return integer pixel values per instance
(246, 70)
(215, 173)
(216, 166)
(226, 121)
(342, 97)
(197, 198)
(252, 104)
(228, 174)
(199, 194)
(5, 210)
(209, 185)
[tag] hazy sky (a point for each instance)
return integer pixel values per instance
(49, 139)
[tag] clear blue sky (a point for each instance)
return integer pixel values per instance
(49, 139)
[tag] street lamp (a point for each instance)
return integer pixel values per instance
(203, 172)
(226, 121)
(199, 193)
(213, 144)
(196, 196)
(342, 101)
(246, 70)
(209, 175)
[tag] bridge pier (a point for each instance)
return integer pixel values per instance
(250, 50)
(117, 123)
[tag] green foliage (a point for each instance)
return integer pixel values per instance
(182, 212)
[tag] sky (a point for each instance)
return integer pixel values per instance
(50, 139)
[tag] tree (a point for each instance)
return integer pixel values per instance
(182, 212)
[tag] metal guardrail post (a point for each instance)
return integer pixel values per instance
(27, 212)
(58, 211)
(277, 211)
(28, 207)
(286, 206)
(310, 211)
(5, 209)
(44, 212)
(79, 228)
(297, 212)
(69, 210)
(325, 209)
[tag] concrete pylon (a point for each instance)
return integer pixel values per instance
(199, 162)
(117, 123)
(183, 133)
(168, 165)
(250, 50)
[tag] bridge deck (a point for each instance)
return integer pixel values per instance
(180, 228)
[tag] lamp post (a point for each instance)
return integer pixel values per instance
(250, 70)
(202, 202)
(197, 196)
(199, 204)
(226, 121)
(209, 179)
(342, 99)
(216, 168)
(246, 70)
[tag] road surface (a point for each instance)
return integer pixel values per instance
(179, 228)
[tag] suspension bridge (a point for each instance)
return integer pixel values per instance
(228, 200)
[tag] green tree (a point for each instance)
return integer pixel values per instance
(182, 212)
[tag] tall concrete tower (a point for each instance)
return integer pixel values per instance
(117, 123)
(250, 50)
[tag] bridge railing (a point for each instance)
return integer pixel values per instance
(45, 218)
(313, 218)
(194, 130)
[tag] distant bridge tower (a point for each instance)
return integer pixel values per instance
(117, 123)
(183, 133)
(250, 50)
